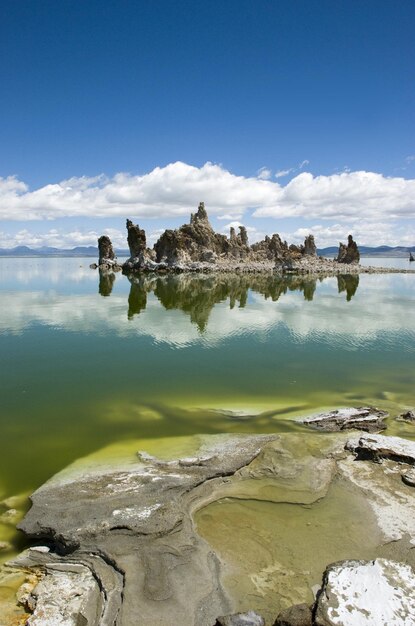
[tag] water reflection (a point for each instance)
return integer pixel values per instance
(106, 282)
(197, 295)
(349, 284)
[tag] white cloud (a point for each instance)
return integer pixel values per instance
(264, 173)
(366, 233)
(410, 158)
(303, 164)
(342, 197)
(282, 173)
(57, 238)
(176, 189)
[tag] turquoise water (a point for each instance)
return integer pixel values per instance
(88, 361)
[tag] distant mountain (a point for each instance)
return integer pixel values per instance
(90, 251)
(381, 251)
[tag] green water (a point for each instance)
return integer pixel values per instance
(87, 361)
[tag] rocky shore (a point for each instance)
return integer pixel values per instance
(196, 247)
(122, 542)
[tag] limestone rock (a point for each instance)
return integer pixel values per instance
(132, 529)
(367, 593)
(194, 242)
(350, 253)
(136, 238)
(368, 419)
(67, 596)
(296, 615)
(105, 250)
(241, 619)
(310, 248)
(409, 477)
(408, 416)
(378, 447)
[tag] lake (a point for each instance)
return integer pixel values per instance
(89, 361)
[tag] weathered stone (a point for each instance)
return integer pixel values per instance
(297, 615)
(367, 593)
(132, 528)
(378, 447)
(67, 596)
(409, 478)
(136, 238)
(241, 619)
(5, 545)
(310, 248)
(105, 250)
(408, 416)
(368, 419)
(350, 253)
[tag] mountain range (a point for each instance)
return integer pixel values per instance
(92, 251)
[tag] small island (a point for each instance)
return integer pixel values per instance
(196, 247)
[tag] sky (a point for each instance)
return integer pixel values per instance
(288, 116)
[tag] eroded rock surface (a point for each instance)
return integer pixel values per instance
(241, 619)
(348, 253)
(297, 615)
(365, 418)
(408, 416)
(132, 529)
(378, 447)
(105, 250)
(122, 546)
(361, 593)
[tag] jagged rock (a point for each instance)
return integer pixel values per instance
(368, 419)
(408, 416)
(297, 615)
(194, 242)
(241, 619)
(68, 595)
(378, 447)
(350, 253)
(367, 593)
(105, 250)
(310, 248)
(136, 238)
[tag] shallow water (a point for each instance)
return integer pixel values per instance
(89, 360)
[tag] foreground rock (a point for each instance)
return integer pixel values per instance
(380, 447)
(365, 418)
(132, 530)
(374, 593)
(408, 416)
(297, 615)
(131, 550)
(241, 619)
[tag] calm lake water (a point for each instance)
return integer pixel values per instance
(88, 361)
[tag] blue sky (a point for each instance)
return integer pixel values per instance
(289, 116)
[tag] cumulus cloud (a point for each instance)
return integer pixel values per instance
(343, 196)
(57, 238)
(366, 233)
(176, 189)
